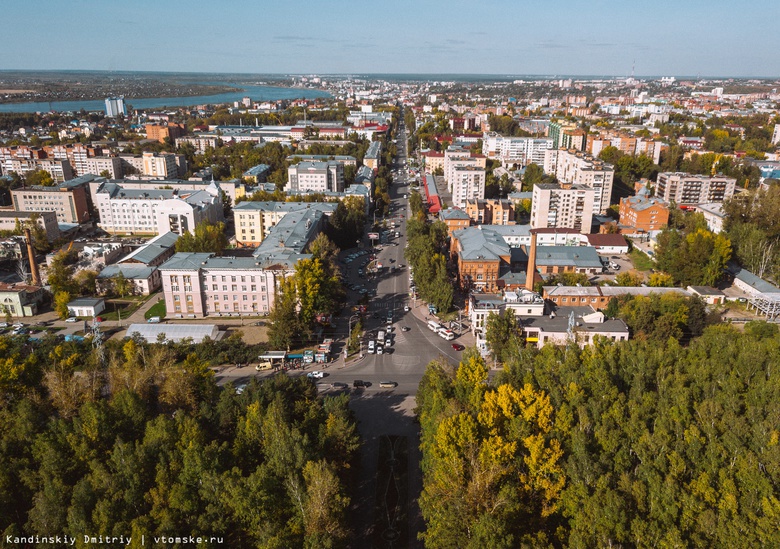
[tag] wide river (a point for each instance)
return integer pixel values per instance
(256, 93)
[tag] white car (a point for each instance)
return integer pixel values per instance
(72, 319)
(316, 374)
(406, 308)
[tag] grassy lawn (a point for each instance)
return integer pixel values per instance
(641, 260)
(158, 309)
(124, 306)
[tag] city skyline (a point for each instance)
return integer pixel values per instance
(347, 37)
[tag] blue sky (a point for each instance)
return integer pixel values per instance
(684, 37)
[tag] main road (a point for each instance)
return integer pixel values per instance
(383, 412)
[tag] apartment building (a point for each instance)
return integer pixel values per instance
(491, 211)
(515, 150)
(686, 188)
(315, 177)
(69, 204)
(22, 160)
(467, 183)
(566, 136)
(643, 214)
(575, 167)
(233, 188)
(201, 142)
(434, 160)
(11, 221)
(254, 221)
(155, 211)
(563, 206)
(373, 155)
(111, 165)
(200, 284)
(161, 132)
(160, 165)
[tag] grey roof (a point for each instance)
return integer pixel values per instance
(364, 173)
(640, 203)
(509, 230)
(79, 181)
(86, 302)
(266, 206)
(288, 238)
(260, 169)
(578, 256)
(705, 290)
(479, 243)
(185, 261)
(560, 322)
(133, 272)
(153, 249)
(336, 157)
(610, 291)
(752, 280)
(173, 332)
(453, 213)
(374, 150)
(114, 190)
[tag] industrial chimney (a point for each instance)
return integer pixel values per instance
(529, 275)
(36, 275)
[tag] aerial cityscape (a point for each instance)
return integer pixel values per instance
(458, 283)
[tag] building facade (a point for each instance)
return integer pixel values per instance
(467, 183)
(562, 206)
(68, 204)
(643, 214)
(686, 188)
(315, 177)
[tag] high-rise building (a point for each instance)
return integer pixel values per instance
(686, 188)
(468, 183)
(575, 167)
(115, 106)
(562, 206)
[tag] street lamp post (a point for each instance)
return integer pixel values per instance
(460, 327)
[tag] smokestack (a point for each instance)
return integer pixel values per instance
(529, 275)
(36, 275)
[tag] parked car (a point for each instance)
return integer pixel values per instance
(406, 308)
(72, 319)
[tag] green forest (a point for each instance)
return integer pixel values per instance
(634, 444)
(152, 446)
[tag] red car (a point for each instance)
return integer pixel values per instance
(458, 346)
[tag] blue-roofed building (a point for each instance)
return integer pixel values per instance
(372, 158)
(155, 252)
(143, 280)
(257, 174)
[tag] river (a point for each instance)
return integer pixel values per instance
(256, 93)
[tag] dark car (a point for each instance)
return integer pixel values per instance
(339, 385)
(458, 346)
(358, 383)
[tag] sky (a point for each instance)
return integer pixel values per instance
(503, 37)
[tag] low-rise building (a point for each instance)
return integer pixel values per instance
(713, 215)
(373, 155)
(643, 214)
(86, 307)
(598, 296)
(455, 219)
(20, 300)
(142, 280)
(491, 211)
(581, 325)
(175, 333)
(154, 253)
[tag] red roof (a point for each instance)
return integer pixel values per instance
(606, 240)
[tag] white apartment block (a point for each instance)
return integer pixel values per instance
(315, 177)
(515, 150)
(99, 164)
(59, 170)
(563, 207)
(579, 168)
(200, 142)
(154, 211)
(467, 183)
(686, 188)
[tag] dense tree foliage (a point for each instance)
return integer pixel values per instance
(493, 473)
(156, 448)
(628, 170)
(691, 254)
(206, 237)
(753, 225)
(662, 445)
(425, 243)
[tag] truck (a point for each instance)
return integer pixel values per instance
(380, 336)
